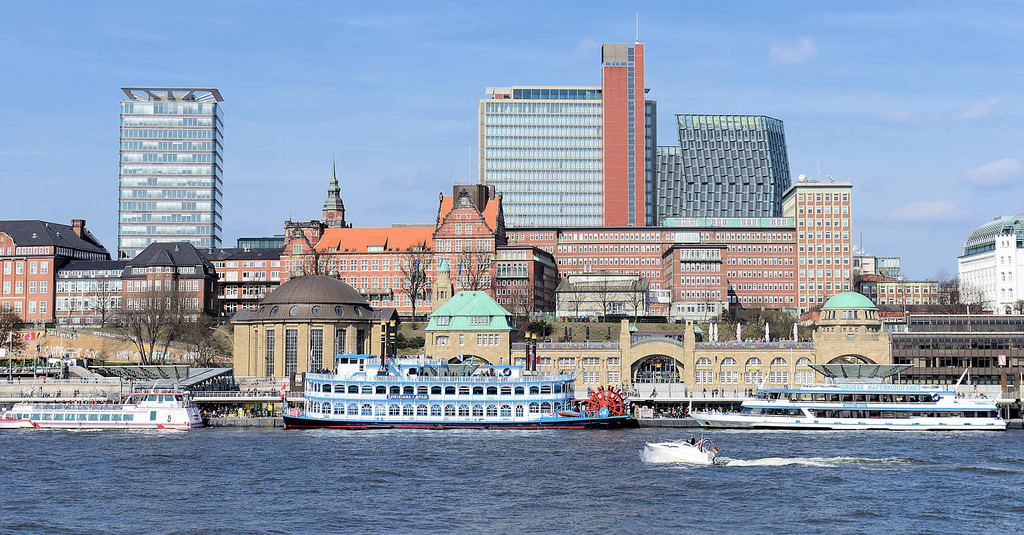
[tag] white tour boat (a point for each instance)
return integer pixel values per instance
(150, 410)
(429, 393)
(854, 397)
(697, 452)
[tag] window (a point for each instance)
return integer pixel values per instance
(291, 351)
(269, 354)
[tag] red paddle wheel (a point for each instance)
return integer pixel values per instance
(609, 398)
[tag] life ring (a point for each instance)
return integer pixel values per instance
(936, 397)
(506, 372)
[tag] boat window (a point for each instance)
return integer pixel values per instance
(449, 390)
(558, 388)
(463, 410)
(860, 398)
(545, 407)
(381, 389)
(353, 389)
(506, 390)
(393, 410)
(520, 390)
(367, 409)
(408, 391)
(339, 408)
(506, 411)
(406, 410)
(47, 417)
(886, 398)
(519, 411)
(449, 410)
(380, 410)
(847, 397)
(353, 408)
(394, 390)
(104, 417)
(435, 410)
(152, 416)
(478, 410)
(117, 417)
(492, 410)
(492, 391)
(478, 390)
(421, 410)
(463, 390)
(435, 390)
(367, 389)
(534, 390)
(900, 398)
(534, 408)
(58, 417)
(326, 388)
(545, 389)
(818, 396)
(422, 389)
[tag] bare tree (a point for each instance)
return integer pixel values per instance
(1018, 306)
(603, 291)
(474, 270)
(101, 299)
(637, 295)
(958, 297)
(576, 298)
(415, 282)
(206, 342)
(153, 318)
(522, 308)
(9, 321)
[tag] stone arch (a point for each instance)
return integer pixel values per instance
(466, 359)
(657, 368)
(851, 359)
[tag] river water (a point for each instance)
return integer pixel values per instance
(304, 481)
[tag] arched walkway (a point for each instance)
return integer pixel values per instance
(851, 359)
(657, 369)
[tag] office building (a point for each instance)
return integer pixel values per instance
(573, 156)
(822, 211)
(171, 171)
(992, 264)
(724, 166)
(941, 347)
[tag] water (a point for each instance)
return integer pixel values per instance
(291, 481)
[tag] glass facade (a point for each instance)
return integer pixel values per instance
(171, 168)
(542, 152)
(724, 166)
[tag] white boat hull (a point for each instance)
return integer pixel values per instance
(677, 452)
(741, 421)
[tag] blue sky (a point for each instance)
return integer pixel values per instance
(917, 104)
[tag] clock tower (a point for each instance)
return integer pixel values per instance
(334, 209)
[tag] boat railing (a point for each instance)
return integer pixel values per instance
(439, 378)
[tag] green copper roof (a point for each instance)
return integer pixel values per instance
(470, 311)
(848, 300)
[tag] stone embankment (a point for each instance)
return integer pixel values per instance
(245, 422)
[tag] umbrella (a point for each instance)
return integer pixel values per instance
(767, 333)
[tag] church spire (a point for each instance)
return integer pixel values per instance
(334, 209)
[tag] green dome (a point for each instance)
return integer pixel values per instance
(849, 300)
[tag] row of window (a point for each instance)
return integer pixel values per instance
(367, 409)
(41, 287)
(439, 390)
(42, 267)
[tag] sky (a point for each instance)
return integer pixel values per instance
(917, 104)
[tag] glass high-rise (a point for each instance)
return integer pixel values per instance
(171, 168)
(573, 156)
(724, 166)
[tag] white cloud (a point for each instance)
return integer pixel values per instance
(996, 173)
(588, 45)
(926, 211)
(792, 53)
(982, 109)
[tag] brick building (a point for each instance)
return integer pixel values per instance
(172, 268)
(244, 276)
(32, 252)
(88, 292)
(390, 266)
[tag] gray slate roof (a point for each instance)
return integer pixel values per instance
(35, 232)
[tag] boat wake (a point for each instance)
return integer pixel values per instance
(822, 462)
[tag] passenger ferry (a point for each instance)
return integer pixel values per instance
(426, 393)
(151, 410)
(838, 404)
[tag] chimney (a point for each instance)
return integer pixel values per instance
(78, 225)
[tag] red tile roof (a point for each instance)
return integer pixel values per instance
(359, 240)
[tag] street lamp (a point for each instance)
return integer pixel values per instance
(531, 352)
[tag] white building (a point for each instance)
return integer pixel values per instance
(992, 264)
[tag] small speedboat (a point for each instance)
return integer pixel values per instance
(701, 452)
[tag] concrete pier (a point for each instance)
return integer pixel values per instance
(667, 422)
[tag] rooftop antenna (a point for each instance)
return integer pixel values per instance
(637, 26)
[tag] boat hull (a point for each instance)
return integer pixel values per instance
(29, 424)
(738, 421)
(609, 422)
(677, 452)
